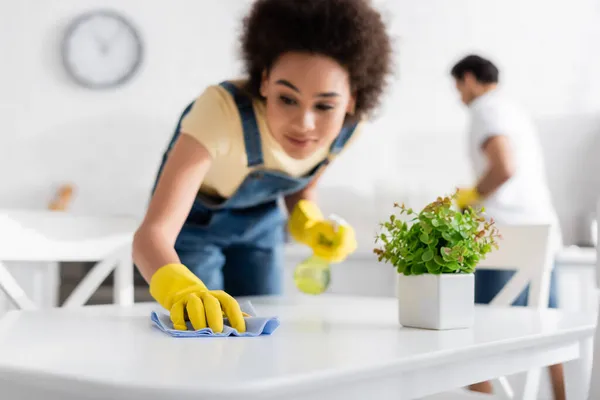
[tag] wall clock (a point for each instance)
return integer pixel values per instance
(101, 49)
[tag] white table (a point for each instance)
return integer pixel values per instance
(326, 348)
(50, 236)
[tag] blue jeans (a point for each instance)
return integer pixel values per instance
(240, 252)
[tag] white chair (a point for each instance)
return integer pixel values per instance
(53, 237)
(526, 250)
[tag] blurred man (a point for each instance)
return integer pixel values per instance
(511, 183)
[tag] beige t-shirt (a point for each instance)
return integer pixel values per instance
(215, 122)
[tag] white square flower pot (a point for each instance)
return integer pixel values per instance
(444, 301)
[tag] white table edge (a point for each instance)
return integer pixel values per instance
(298, 382)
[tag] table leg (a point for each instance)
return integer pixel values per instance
(578, 371)
(123, 292)
(12, 289)
(532, 384)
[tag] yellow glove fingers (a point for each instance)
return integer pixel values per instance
(345, 238)
(323, 240)
(327, 234)
(467, 197)
(326, 253)
(331, 254)
(303, 216)
(195, 311)
(321, 234)
(331, 239)
(232, 310)
(212, 308)
(177, 316)
(333, 243)
(308, 211)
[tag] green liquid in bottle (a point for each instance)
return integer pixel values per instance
(312, 276)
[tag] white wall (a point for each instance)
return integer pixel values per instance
(109, 143)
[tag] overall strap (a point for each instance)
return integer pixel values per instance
(341, 140)
(172, 142)
(177, 133)
(252, 139)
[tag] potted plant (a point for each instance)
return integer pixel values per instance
(435, 253)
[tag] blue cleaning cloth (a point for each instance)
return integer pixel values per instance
(255, 326)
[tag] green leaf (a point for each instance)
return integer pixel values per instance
(424, 238)
(418, 254)
(400, 266)
(427, 255)
(419, 268)
(426, 227)
(453, 266)
(439, 260)
(432, 267)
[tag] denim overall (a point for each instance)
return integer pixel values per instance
(236, 244)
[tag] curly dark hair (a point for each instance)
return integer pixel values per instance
(351, 32)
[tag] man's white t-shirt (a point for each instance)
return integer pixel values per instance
(525, 197)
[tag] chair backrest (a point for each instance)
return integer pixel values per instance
(594, 392)
(526, 250)
(41, 235)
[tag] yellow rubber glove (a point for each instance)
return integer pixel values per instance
(467, 197)
(331, 239)
(181, 292)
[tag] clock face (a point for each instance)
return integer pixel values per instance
(101, 49)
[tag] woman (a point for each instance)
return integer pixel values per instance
(213, 228)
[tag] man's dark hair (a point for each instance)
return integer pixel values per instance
(351, 32)
(483, 70)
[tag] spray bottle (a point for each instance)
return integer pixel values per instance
(313, 275)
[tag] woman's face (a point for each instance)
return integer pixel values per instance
(308, 97)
